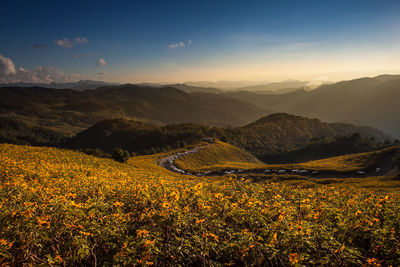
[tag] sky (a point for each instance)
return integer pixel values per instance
(178, 41)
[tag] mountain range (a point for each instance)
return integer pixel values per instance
(189, 87)
(70, 111)
(364, 101)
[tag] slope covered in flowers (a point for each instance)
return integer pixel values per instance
(62, 207)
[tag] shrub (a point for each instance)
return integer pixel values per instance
(120, 155)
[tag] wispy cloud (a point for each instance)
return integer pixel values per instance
(81, 40)
(67, 43)
(39, 46)
(102, 73)
(180, 44)
(101, 62)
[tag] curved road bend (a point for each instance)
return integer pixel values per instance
(387, 169)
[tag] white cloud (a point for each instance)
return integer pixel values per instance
(81, 40)
(64, 43)
(7, 67)
(101, 62)
(10, 74)
(102, 73)
(67, 43)
(180, 44)
(173, 46)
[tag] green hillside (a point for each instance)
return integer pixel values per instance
(266, 138)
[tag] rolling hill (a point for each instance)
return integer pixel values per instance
(221, 156)
(364, 101)
(270, 135)
(165, 105)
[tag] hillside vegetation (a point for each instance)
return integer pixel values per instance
(164, 105)
(265, 138)
(17, 131)
(329, 147)
(60, 207)
(215, 156)
(281, 132)
(221, 156)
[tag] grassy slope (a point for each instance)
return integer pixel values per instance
(63, 207)
(216, 156)
(223, 156)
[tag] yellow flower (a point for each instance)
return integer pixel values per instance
(340, 249)
(71, 195)
(148, 243)
(215, 237)
(166, 205)
(274, 238)
(373, 262)
(86, 233)
(200, 221)
(142, 233)
(293, 258)
(43, 221)
(76, 205)
(198, 186)
(58, 258)
(118, 204)
(218, 195)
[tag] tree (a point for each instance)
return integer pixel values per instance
(387, 143)
(120, 155)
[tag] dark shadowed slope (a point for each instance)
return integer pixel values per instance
(271, 135)
(365, 101)
(164, 105)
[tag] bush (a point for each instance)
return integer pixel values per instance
(120, 155)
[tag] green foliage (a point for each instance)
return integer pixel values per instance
(325, 148)
(274, 134)
(120, 155)
(97, 152)
(18, 131)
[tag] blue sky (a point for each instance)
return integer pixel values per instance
(176, 41)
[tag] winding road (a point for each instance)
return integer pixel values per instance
(388, 168)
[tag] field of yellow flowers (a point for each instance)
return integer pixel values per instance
(60, 207)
